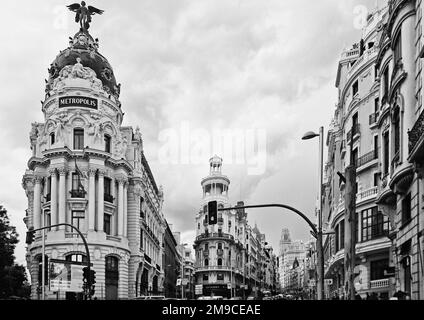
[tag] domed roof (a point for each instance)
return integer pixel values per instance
(83, 46)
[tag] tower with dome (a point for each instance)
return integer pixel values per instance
(89, 170)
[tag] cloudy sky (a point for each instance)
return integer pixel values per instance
(189, 68)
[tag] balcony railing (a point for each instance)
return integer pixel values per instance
(416, 132)
(108, 198)
(48, 197)
(77, 193)
(219, 235)
(356, 132)
(367, 193)
(366, 158)
(382, 283)
(147, 258)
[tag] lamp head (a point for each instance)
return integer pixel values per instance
(309, 135)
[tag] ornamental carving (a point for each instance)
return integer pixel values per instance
(77, 71)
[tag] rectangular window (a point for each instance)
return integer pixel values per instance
(48, 220)
(406, 209)
(375, 147)
(342, 234)
(77, 187)
(386, 84)
(398, 49)
(386, 153)
(205, 277)
(355, 157)
(78, 220)
(337, 238)
(107, 143)
(355, 88)
(376, 179)
(106, 224)
(108, 190)
(377, 269)
(78, 139)
(374, 224)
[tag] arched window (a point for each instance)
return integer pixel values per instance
(112, 277)
(206, 262)
(52, 138)
(108, 140)
(219, 245)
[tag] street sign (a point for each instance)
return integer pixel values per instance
(228, 285)
(198, 289)
(178, 282)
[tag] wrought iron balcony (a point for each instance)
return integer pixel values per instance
(77, 193)
(355, 131)
(108, 198)
(416, 133)
(147, 258)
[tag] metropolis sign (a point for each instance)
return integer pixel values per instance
(78, 101)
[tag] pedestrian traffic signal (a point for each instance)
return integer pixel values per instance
(30, 235)
(213, 212)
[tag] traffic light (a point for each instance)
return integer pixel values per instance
(30, 235)
(85, 274)
(213, 212)
(92, 277)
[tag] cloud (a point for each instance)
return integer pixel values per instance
(245, 64)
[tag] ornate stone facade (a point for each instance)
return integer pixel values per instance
(89, 171)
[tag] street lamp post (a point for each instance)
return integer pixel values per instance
(182, 269)
(320, 255)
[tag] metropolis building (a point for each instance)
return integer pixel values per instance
(90, 171)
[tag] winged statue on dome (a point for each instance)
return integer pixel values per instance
(83, 14)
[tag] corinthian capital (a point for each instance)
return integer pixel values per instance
(92, 172)
(122, 180)
(52, 172)
(62, 171)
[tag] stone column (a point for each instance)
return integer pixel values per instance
(53, 195)
(121, 182)
(101, 201)
(37, 202)
(91, 198)
(125, 209)
(114, 221)
(62, 197)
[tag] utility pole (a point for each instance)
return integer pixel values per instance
(350, 223)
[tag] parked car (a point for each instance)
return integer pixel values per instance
(150, 298)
